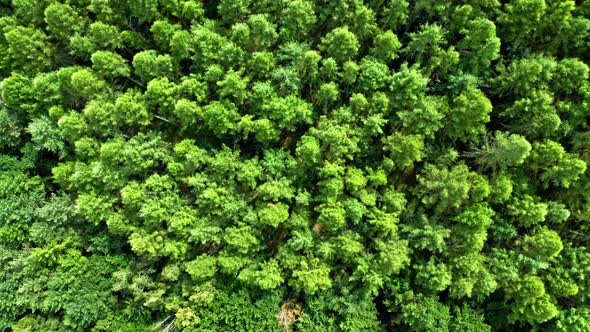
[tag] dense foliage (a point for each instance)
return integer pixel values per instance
(294, 165)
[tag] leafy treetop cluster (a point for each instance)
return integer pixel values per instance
(300, 165)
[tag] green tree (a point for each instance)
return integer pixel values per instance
(433, 276)
(221, 117)
(422, 313)
(110, 64)
(544, 243)
(404, 150)
(63, 21)
(148, 65)
(443, 188)
(263, 33)
(340, 44)
(311, 276)
(531, 303)
(468, 319)
(506, 150)
(479, 47)
(373, 75)
(385, 46)
(575, 319)
(470, 113)
(288, 112)
(233, 10)
(554, 165)
(28, 49)
(297, 19)
(18, 94)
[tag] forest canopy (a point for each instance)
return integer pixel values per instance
(294, 165)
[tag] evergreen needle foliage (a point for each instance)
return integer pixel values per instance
(294, 165)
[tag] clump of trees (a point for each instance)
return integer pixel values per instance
(294, 165)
